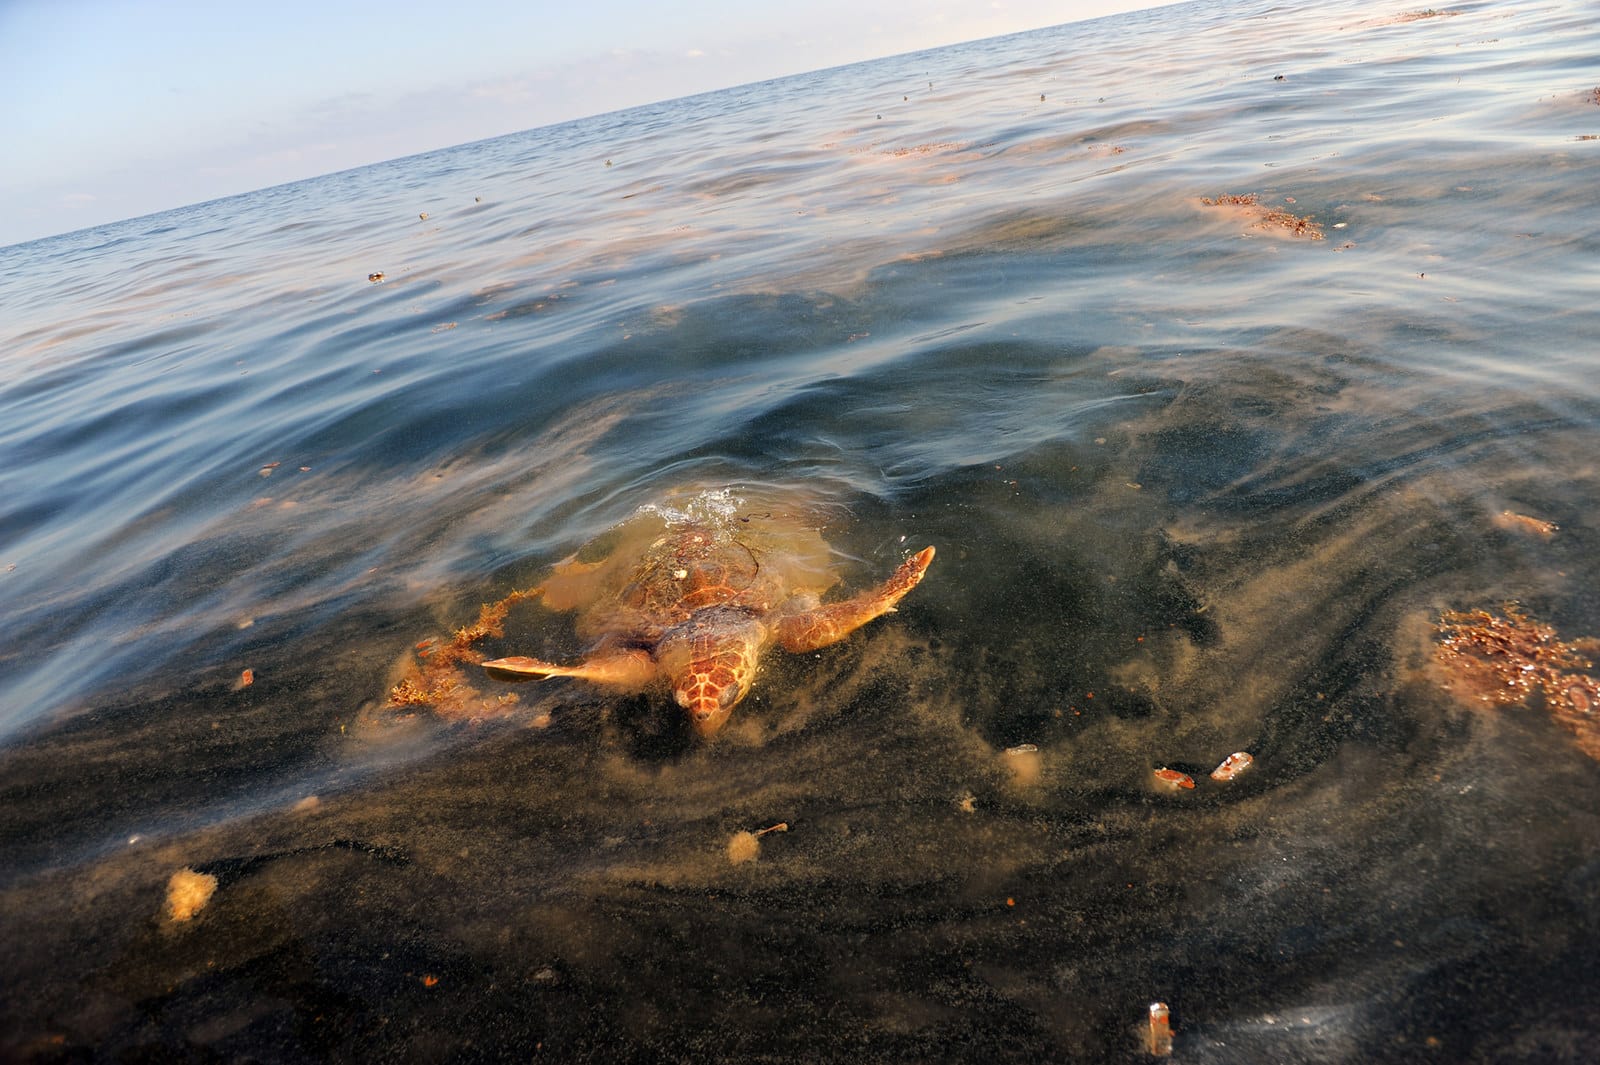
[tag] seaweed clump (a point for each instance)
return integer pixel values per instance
(1509, 658)
(435, 679)
(1268, 217)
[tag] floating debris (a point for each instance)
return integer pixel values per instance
(188, 892)
(1172, 780)
(1233, 765)
(1525, 523)
(1024, 763)
(746, 846)
(1507, 658)
(375, 276)
(246, 678)
(743, 847)
(1158, 1037)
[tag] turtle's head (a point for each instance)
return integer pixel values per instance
(711, 659)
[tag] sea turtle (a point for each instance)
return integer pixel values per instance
(693, 596)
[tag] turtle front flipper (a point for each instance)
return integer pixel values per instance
(626, 668)
(823, 625)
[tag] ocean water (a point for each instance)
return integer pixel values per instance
(1198, 483)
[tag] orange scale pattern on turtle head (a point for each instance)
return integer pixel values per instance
(712, 687)
(711, 660)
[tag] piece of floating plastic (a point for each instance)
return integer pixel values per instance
(1171, 778)
(1233, 765)
(1158, 1039)
(1022, 748)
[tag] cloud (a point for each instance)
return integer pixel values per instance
(342, 104)
(509, 91)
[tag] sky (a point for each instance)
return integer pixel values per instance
(111, 109)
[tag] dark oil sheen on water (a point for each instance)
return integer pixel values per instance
(1234, 357)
